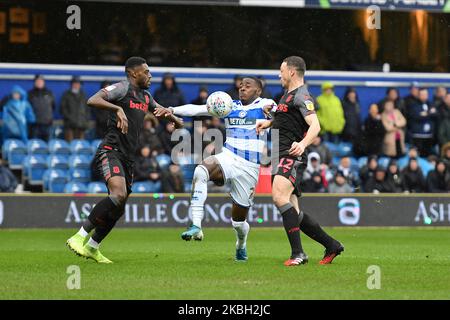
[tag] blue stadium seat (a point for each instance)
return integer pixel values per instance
(163, 160)
(37, 146)
(334, 148)
(187, 187)
(426, 168)
(384, 161)
(345, 149)
(15, 152)
(142, 187)
(80, 175)
(155, 187)
(95, 144)
(97, 187)
(55, 180)
(34, 167)
(57, 161)
(336, 160)
(59, 146)
(362, 162)
(79, 161)
(188, 172)
(78, 146)
(75, 187)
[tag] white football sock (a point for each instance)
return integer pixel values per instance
(83, 232)
(242, 228)
(94, 244)
(199, 194)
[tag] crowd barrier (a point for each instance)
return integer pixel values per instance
(161, 210)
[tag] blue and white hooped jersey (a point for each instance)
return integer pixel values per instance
(240, 126)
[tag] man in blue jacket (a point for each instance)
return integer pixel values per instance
(17, 114)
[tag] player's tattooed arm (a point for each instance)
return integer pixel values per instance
(165, 113)
(298, 148)
(99, 100)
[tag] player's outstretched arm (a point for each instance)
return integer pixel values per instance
(164, 113)
(261, 126)
(99, 100)
(190, 110)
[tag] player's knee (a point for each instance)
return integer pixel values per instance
(279, 199)
(119, 197)
(201, 174)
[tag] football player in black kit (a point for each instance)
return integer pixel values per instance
(297, 124)
(128, 102)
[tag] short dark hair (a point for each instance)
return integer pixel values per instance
(134, 62)
(423, 88)
(258, 82)
(297, 63)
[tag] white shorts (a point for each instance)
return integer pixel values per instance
(241, 175)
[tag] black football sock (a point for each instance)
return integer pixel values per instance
(292, 228)
(312, 229)
(99, 215)
(102, 231)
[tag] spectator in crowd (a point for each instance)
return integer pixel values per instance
(172, 180)
(345, 166)
(412, 176)
(394, 138)
(233, 91)
(322, 150)
(17, 115)
(339, 184)
(75, 111)
(202, 96)
(438, 180)
(393, 96)
(101, 116)
(314, 166)
(377, 183)
(149, 136)
(445, 153)
(368, 171)
(352, 109)
(265, 93)
(43, 103)
(330, 113)
(314, 184)
(394, 177)
(165, 137)
(439, 95)
(423, 116)
(373, 133)
(168, 94)
(411, 99)
(443, 133)
(8, 182)
(147, 167)
(216, 123)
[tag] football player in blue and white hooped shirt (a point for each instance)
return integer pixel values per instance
(237, 164)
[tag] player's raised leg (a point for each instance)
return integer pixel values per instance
(207, 170)
(282, 189)
(242, 228)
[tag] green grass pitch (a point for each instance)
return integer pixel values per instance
(157, 264)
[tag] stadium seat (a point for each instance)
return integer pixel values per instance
(188, 187)
(345, 149)
(384, 161)
(55, 180)
(37, 146)
(142, 187)
(163, 160)
(155, 187)
(79, 161)
(188, 172)
(34, 167)
(58, 162)
(75, 187)
(334, 148)
(80, 147)
(59, 146)
(15, 152)
(95, 144)
(336, 160)
(97, 187)
(362, 162)
(80, 175)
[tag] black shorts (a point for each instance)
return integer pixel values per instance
(291, 168)
(111, 163)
